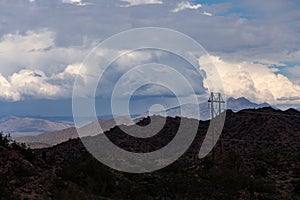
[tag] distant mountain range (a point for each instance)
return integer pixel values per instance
(190, 110)
(243, 103)
(60, 135)
(39, 124)
(56, 137)
(20, 126)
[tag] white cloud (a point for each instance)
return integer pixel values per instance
(7, 92)
(28, 83)
(257, 82)
(76, 2)
(73, 69)
(207, 13)
(33, 83)
(141, 2)
(186, 5)
(36, 50)
(69, 74)
(132, 59)
(31, 66)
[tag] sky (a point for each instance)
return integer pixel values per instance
(255, 46)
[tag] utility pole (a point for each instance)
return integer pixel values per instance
(216, 99)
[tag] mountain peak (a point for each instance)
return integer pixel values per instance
(292, 111)
(239, 99)
(243, 99)
(243, 103)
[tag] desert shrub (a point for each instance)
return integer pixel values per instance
(227, 176)
(71, 192)
(22, 171)
(298, 157)
(260, 170)
(4, 140)
(232, 160)
(93, 177)
(296, 185)
(261, 186)
(7, 142)
(24, 150)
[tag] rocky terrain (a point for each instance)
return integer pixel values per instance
(260, 160)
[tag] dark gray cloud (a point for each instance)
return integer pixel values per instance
(73, 24)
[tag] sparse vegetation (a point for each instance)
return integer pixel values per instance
(6, 141)
(263, 168)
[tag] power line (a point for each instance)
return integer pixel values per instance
(216, 116)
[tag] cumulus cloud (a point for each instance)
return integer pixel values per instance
(185, 5)
(34, 84)
(257, 82)
(28, 84)
(141, 2)
(37, 50)
(66, 78)
(8, 93)
(34, 67)
(43, 70)
(133, 58)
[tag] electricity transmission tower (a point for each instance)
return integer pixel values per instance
(216, 101)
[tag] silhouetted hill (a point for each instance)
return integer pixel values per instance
(261, 161)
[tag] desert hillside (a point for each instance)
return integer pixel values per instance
(260, 161)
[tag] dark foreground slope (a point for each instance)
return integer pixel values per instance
(261, 160)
